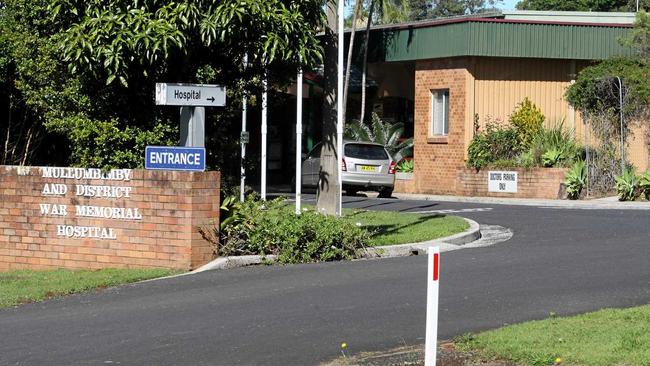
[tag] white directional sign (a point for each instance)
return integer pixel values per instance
(193, 95)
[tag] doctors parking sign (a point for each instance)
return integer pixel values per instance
(174, 158)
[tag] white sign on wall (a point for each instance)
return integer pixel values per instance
(193, 95)
(504, 182)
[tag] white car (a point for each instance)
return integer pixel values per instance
(365, 166)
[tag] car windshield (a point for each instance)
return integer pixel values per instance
(363, 151)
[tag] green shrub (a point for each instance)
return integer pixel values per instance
(526, 160)
(576, 179)
(527, 119)
(554, 147)
(264, 228)
(551, 157)
(627, 185)
(406, 166)
(107, 145)
(496, 143)
(644, 183)
(505, 163)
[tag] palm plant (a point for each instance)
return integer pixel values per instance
(384, 133)
(645, 184)
(576, 179)
(627, 185)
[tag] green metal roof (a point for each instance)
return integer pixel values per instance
(499, 38)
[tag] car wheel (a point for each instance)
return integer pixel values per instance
(385, 192)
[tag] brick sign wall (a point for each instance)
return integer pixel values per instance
(84, 218)
(531, 183)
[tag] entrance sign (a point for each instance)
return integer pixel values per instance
(433, 285)
(505, 182)
(174, 158)
(194, 95)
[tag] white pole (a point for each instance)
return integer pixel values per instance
(298, 140)
(264, 131)
(433, 282)
(339, 102)
(242, 184)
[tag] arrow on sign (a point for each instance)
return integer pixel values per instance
(210, 99)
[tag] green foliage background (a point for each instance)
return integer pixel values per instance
(78, 77)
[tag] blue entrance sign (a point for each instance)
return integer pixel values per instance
(174, 158)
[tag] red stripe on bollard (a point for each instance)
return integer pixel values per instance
(435, 266)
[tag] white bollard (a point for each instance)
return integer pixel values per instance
(433, 285)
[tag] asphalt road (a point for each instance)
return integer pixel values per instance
(559, 260)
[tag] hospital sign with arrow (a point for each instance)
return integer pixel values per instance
(194, 95)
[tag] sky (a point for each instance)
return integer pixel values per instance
(507, 4)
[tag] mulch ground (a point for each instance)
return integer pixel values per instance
(448, 355)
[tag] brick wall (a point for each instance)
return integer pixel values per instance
(405, 185)
(150, 219)
(531, 183)
(437, 158)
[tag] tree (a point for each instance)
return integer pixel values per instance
(640, 37)
(329, 189)
(86, 70)
(582, 5)
(387, 134)
(348, 68)
(31, 82)
(596, 94)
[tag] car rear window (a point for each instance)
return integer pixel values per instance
(362, 151)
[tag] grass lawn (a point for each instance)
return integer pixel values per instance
(606, 337)
(18, 287)
(400, 228)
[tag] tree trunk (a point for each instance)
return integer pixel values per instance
(365, 61)
(5, 154)
(27, 145)
(329, 191)
(355, 17)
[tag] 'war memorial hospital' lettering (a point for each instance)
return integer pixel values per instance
(88, 191)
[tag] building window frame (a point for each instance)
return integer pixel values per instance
(439, 119)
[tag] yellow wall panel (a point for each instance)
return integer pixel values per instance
(503, 83)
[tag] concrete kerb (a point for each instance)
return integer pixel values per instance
(235, 261)
(608, 203)
(446, 244)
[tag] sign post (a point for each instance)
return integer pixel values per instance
(264, 134)
(298, 141)
(244, 139)
(192, 98)
(433, 285)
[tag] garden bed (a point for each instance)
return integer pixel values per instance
(262, 228)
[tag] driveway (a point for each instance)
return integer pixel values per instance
(559, 260)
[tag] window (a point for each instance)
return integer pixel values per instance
(440, 112)
(363, 151)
